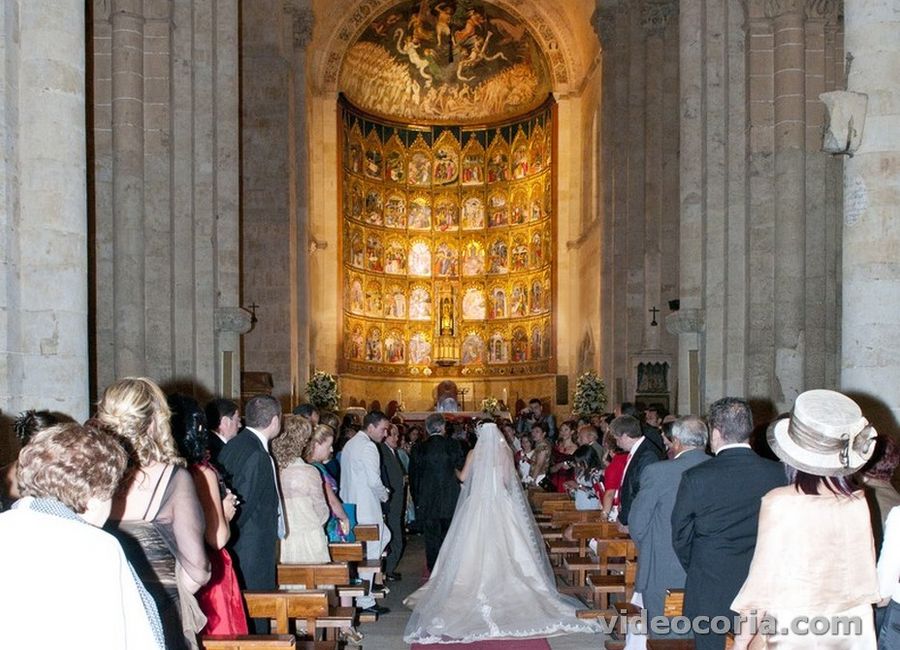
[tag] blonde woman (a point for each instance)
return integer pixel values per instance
(305, 508)
(156, 515)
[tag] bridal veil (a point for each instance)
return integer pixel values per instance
(492, 579)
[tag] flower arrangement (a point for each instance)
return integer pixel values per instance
(490, 406)
(590, 394)
(322, 391)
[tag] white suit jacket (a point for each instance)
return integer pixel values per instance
(361, 484)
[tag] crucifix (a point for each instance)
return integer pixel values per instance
(653, 311)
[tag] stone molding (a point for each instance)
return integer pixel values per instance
(603, 19)
(775, 8)
(303, 22)
(686, 321)
(560, 56)
(656, 14)
(828, 10)
(233, 319)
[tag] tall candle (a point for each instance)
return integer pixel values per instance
(504, 397)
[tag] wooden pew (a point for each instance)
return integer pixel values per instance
(368, 568)
(581, 533)
(285, 606)
(263, 642)
(333, 575)
(249, 642)
(537, 498)
(333, 579)
(602, 581)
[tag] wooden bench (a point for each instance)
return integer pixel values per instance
(248, 642)
(263, 642)
(615, 572)
(285, 606)
(537, 498)
(333, 575)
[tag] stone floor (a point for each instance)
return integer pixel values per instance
(387, 633)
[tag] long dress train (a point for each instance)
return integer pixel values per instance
(492, 579)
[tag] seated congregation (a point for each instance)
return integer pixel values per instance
(161, 524)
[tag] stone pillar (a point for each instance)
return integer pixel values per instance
(790, 183)
(870, 364)
(128, 184)
(43, 225)
(692, 174)
(301, 24)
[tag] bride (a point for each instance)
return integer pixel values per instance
(492, 579)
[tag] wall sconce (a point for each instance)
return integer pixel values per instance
(252, 309)
(653, 311)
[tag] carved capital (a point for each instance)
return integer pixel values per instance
(776, 8)
(302, 21)
(656, 14)
(823, 9)
(604, 18)
(686, 321)
(233, 319)
(101, 10)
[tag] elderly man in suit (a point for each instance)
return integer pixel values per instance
(434, 484)
(394, 477)
(716, 513)
(627, 431)
(361, 484)
(650, 519)
(259, 522)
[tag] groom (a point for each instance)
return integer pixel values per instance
(434, 485)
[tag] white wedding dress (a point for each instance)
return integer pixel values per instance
(492, 579)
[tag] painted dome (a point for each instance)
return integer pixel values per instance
(445, 61)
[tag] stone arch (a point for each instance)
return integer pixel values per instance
(550, 25)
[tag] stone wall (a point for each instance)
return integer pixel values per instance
(43, 234)
(760, 204)
(639, 148)
(165, 203)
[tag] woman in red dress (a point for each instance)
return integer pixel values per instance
(220, 599)
(562, 459)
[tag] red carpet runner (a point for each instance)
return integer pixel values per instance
(511, 644)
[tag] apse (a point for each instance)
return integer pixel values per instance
(446, 206)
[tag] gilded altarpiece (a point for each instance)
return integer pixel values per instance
(447, 247)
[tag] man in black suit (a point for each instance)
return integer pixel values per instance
(393, 476)
(224, 420)
(641, 453)
(433, 481)
(259, 522)
(716, 513)
(651, 433)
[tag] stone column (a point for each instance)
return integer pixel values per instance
(301, 24)
(689, 329)
(128, 184)
(870, 363)
(43, 225)
(790, 191)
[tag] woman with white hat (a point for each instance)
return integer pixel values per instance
(815, 557)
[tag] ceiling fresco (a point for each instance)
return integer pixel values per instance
(458, 61)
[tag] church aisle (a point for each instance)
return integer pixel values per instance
(387, 633)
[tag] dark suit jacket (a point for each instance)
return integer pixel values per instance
(255, 526)
(392, 477)
(645, 455)
(215, 448)
(650, 526)
(432, 476)
(654, 436)
(714, 526)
